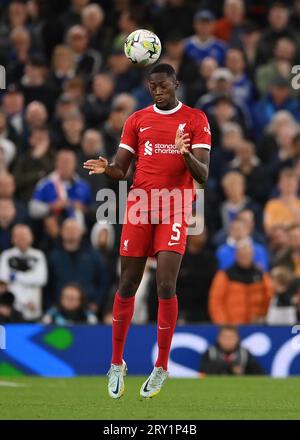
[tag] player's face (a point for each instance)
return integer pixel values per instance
(163, 90)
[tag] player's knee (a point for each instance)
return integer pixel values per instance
(128, 287)
(166, 289)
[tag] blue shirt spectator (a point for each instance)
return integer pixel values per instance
(226, 254)
(203, 44)
(279, 98)
(239, 232)
(61, 192)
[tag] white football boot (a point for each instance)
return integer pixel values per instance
(153, 384)
(116, 374)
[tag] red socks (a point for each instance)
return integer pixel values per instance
(166, 323)
(122, 314)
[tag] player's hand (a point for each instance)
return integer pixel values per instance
(96, 166)
(182, 142)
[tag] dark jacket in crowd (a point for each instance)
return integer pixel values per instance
(216, 361)
(84, 267)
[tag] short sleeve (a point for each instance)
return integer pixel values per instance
(201, 132)
(129, 137)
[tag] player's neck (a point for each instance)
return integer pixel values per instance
(172, 104)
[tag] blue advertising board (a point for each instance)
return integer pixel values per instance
(34, 349)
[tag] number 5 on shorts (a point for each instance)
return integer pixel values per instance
(176, 229)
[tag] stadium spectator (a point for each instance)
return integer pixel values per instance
(76, 261)
(20, 40)
(203, 43)
(36, 116)
(289, 254)
(71, 16)
(92, 18)
(72, 129)
(126, 79)
(7, 191)
(280, 65)
(228, 357)
(35, 164)
(97, 104)
(197, 270)
(34, 85)
(174, 11)
(234, 187)
(62, 193)
(24, 269)
(63, 68)
(278, 245)
(71, 308)
(92, 145)
(7, 220)
(247, 217)
(122, 106)
(278, 98)
(249, 41)
(229, 27)
(241, 294)
(219, 85)
(257, 178)
(88, 61)
(75, 88)
(16, 16)
(278, 18)
(281, 309)
(285, 209)
(242, 86)
(239, 232)
(13, 107)
(103, 238)
(268, 148)
(227, 142)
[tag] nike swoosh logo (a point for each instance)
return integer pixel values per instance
(172, 244)
(117, 320)
(145, 387)
(117, 387)
(143, 129)
(163, 328)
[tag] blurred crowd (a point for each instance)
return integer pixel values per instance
(69, 90)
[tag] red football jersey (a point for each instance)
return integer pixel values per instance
(150, 135)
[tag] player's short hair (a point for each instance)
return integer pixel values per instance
(163, 68)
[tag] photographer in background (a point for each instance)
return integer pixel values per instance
(227, 357)
(24, 269)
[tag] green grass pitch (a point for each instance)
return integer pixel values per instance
(214, 398)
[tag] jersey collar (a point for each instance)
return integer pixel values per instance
(167, 112)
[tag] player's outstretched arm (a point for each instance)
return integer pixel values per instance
(117, 169)
(197, 162)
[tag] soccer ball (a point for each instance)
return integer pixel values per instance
(142, 47)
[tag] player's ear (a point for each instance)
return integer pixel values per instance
(176, 84)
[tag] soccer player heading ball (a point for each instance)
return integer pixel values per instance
(171, 142)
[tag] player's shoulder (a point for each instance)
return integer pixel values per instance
(139, 114)
(194, 113)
